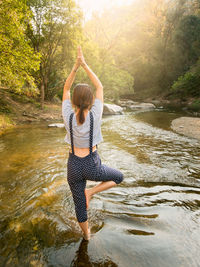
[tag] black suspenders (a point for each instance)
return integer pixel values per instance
(71, 132)
(91, 131)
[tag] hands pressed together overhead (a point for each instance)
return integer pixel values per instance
(80, 61)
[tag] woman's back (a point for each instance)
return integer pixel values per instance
(81, 131)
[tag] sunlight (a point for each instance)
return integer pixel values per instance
(88, 6)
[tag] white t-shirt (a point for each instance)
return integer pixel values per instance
(81, 132)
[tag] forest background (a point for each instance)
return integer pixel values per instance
(147, 49)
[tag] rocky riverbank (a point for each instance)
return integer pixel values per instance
(16, 110)
(19, 109)
(190, 105)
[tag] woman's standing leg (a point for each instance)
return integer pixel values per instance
(85, 229)
(77, 186)
(79, 198)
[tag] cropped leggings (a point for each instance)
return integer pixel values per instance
(80, 169)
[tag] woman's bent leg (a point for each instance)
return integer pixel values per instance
(96, 189)
(109, 176)
(106, 173)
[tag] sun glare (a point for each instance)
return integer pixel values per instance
(88, 6)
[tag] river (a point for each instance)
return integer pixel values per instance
(151, 219)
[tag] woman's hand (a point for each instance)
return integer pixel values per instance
(81, 57)
(70, 78)
(78, 61)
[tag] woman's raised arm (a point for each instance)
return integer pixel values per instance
(94, 79)
(70, 78)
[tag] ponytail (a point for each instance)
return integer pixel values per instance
(80, 114)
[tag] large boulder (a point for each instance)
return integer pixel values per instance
(112, 109)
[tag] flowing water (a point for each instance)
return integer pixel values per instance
(151, 219)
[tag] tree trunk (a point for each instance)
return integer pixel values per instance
(46, 86)
(42, 94)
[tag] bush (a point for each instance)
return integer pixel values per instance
(195, 106)
(187, 85)
(4, 107)
(38, 105)
(22, 98)
(5, 123)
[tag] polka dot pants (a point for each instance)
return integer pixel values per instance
(87, 168)
(81, 169)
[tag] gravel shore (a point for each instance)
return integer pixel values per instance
(188, 126)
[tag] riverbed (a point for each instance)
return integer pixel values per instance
(151, 219)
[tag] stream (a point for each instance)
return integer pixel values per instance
(151, 219)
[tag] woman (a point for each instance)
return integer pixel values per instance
(84, 133)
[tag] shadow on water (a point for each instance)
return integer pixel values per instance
(151, 219)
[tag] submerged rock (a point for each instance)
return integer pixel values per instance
(112, 109)
(188, 126)
(58, 125)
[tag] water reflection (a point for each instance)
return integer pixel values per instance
(82, 258)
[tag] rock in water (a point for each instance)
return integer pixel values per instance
(136, 106)
(126, 102)
(58, 125)
(142, 106)
(112, 109)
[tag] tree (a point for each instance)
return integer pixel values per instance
(55, 30)
(189, 83)
(102, 33)
(187, 38)
(18, 60)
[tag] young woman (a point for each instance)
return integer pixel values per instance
(82, 121)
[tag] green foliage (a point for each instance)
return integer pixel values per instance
(18, 60)
(195, 106)
(4, 107)
(55, 31)
(187, 38)
(154, 41)
(38, 105)
(22, 98)
(137, 49)
(5, 123)
(189, 83)
(115, 81)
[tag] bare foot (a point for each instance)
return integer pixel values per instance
(87, 237)
(88, 197)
